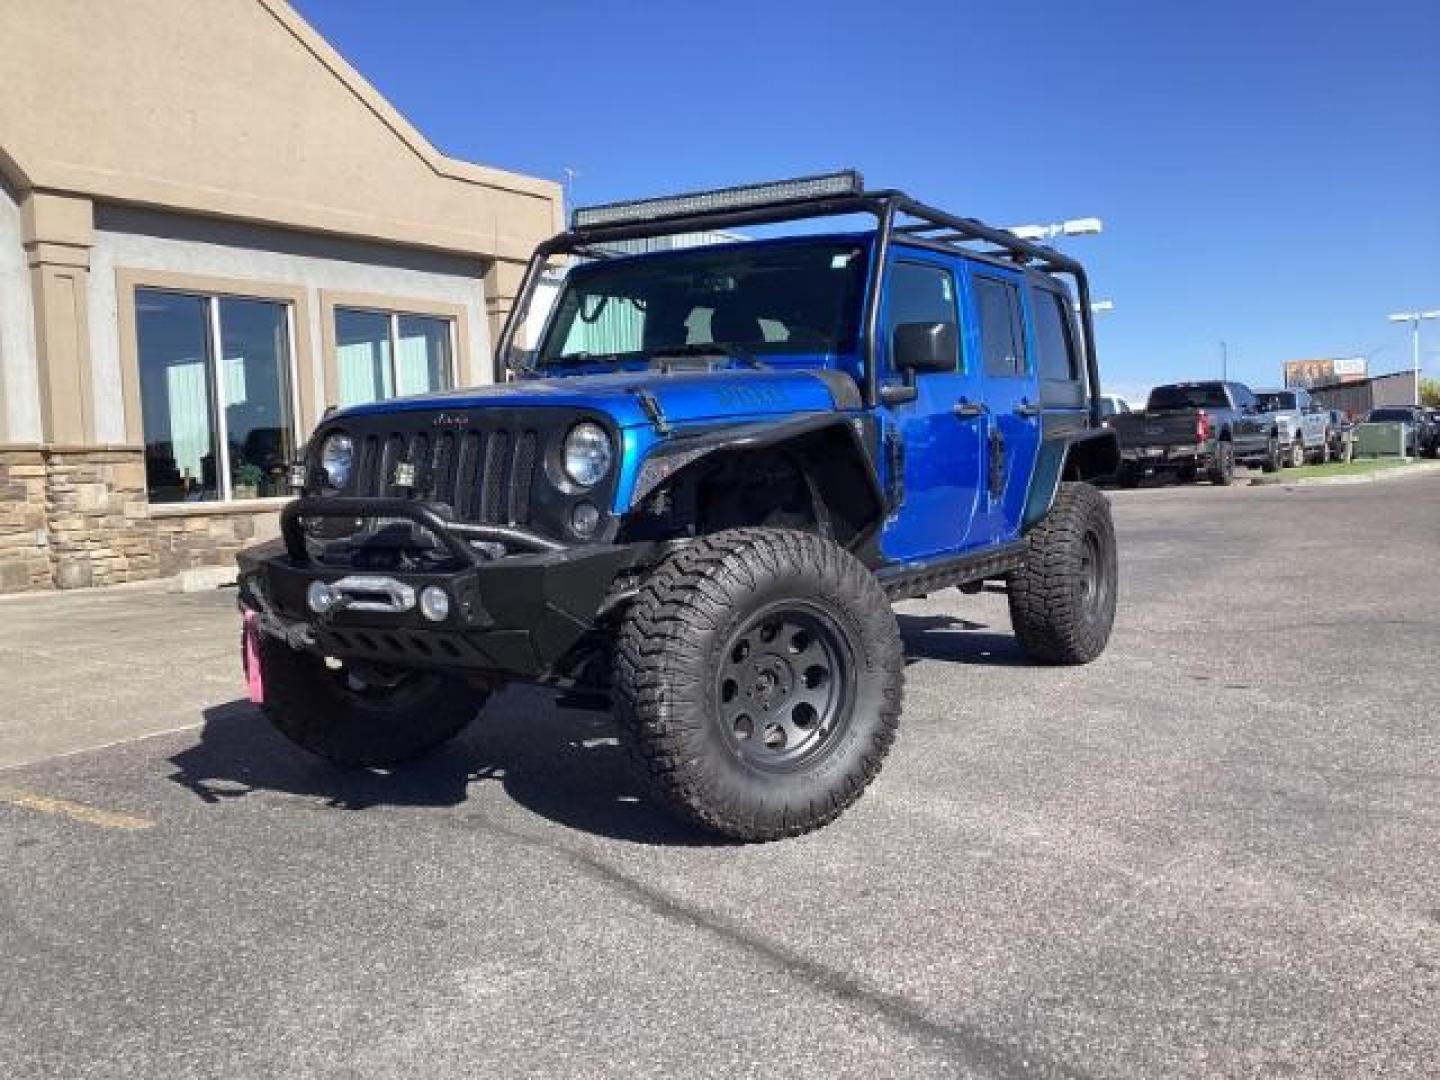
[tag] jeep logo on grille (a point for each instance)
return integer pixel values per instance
(447, 419)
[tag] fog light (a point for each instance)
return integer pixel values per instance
(434, 603)
(320, 597)
(584, 518)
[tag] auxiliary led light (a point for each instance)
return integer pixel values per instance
(434, 603)
(319, 597)
(743, 197)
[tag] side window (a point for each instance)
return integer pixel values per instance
(919, 293)
(1001, 339)
(1055, 338)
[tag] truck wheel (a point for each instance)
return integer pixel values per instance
(1062, 603)
(758, 675)
(361, 717)
(1185, 474)
(1272, 456)
(1297, 455)
(1223, 471)
(1128, 476)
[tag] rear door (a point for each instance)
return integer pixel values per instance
(1002, 334)
(1251, 427)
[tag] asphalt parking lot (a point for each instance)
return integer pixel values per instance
(1214, 852)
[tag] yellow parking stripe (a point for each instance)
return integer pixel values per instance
(91, 815)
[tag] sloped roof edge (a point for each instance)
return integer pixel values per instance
(392, 118)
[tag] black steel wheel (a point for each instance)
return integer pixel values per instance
(758, 675)
(786, 686)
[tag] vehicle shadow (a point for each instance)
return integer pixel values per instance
(564, 764)
(957, 641)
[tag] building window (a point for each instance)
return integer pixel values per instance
(216, 395)
(385, 354)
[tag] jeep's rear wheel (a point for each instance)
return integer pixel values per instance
(758, 676)
(359, 715)
(1062, 602)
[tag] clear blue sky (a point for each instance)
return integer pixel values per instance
(1268, 171)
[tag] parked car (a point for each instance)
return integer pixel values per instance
(1112, 405)
(1421, 435)
(1342, 434)
(699, 498)
(1196, 428)
(1302, 425)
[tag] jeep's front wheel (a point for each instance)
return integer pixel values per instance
(1062, 601)
(359, 715)
(758, 677)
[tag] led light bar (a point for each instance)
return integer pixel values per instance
(747, 196)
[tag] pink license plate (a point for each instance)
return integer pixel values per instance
(254, 677)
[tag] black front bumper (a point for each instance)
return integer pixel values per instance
(520, 615)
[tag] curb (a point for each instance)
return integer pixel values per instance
(1379, 475)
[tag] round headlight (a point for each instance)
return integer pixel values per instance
(587, 454)
(337, 457)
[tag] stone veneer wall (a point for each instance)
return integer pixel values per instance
(24, 536)
(76, 518)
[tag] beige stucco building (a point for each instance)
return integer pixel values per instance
(212, 228)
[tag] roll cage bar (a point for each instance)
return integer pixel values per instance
(895, 213)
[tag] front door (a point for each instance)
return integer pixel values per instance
(937, 438)
(1011, 393)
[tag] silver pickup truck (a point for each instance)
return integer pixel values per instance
(1303, 425)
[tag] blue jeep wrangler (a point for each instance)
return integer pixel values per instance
(699, 497)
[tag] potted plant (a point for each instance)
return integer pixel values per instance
(248, 478)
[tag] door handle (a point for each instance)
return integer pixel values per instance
(1026, 409)
(968, 410)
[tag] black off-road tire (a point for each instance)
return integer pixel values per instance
(1128, 476)
(1062, 603)
(322, 710)
(1222, 473)
(679, 666)
(1186, 474)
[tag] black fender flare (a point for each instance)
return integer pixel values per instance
(836, 449)
(1093, 454)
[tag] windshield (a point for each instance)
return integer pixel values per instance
(751, 301)
(1392, 416)
(1275, 402)
(1193, 396)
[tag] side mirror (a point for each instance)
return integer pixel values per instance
(925, 346)
(520, 361)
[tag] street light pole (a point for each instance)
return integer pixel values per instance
(1088, 226)
(1414, 319)
(1224, 361)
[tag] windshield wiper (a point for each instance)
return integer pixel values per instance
(706, 348)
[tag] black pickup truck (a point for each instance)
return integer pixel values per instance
(1193, 428)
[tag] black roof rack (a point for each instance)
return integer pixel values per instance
(826, 195)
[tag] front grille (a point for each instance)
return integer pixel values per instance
(486, 477)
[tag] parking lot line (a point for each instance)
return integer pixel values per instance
(91, 815)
